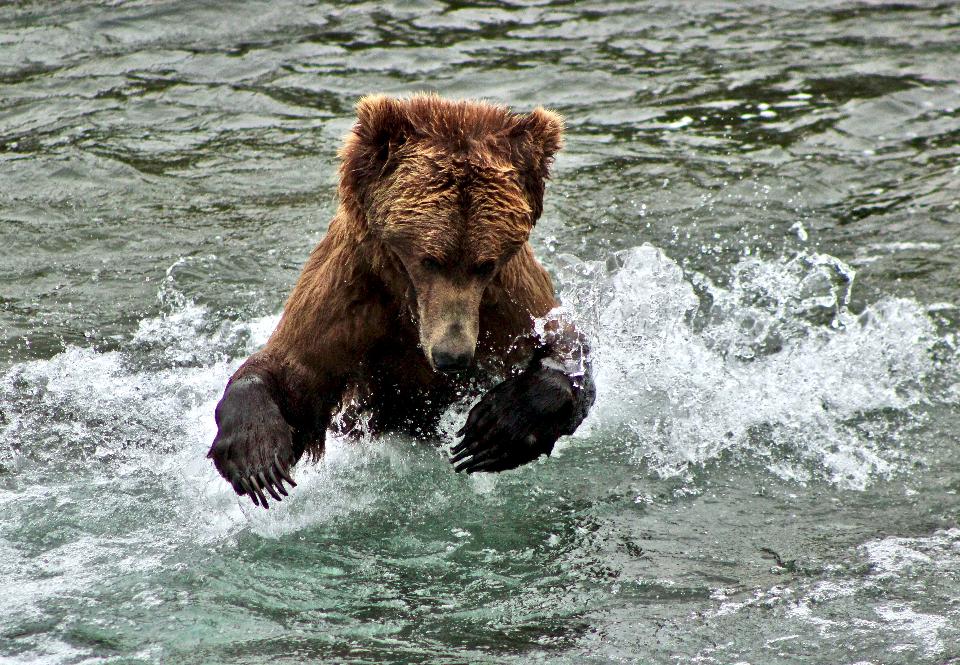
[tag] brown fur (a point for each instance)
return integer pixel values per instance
(424, 290)
(426, 266)
(427, 251)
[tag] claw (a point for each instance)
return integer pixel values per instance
(248, 490)
(267, 486)
(480, 456)
(275, 480)
(460, 447)
(459, 455)
(285, 475)
(260, 495)
(472, 448)
(493, 464)
(279, 475)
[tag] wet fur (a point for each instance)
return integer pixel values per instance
(456, 180)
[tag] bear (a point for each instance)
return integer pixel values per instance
(424, 291)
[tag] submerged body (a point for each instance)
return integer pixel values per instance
(424, 289)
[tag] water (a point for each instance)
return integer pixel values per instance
(756, 216)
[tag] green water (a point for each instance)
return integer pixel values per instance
(757, 217)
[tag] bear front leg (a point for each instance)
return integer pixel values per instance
(254, 447)
(521, 419)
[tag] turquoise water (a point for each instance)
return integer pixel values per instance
(756, 217)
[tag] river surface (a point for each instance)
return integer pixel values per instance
(757, 217)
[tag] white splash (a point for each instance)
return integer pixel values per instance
(686, 369)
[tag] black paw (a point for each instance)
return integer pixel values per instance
(516, 422)
(254, 447)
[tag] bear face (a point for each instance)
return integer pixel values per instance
(450, 191)
(442, 217)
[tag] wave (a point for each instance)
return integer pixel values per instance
(774, 364)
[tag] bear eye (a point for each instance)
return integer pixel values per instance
(430, 263)
(484, 269)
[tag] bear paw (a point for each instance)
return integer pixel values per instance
(254, 448)
(516, 422)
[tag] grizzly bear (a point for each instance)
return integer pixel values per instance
(423, 292)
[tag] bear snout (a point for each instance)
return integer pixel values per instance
(449, 326)
(451, 362)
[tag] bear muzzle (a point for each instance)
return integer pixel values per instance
(451, 362)
(449, 326)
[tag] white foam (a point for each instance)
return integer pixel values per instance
(687, 369)
(895, 566)
(889, 557)
(925, 627)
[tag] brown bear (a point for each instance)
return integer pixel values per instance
(424, 291)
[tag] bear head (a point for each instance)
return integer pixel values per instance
(449, 191)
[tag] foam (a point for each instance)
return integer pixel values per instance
(883, 601)
(775, 361)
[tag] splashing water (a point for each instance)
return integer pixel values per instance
(107, 448)
(774, 363)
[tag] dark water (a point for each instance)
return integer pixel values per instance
(757, 215)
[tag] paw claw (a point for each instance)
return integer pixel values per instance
(267, 485)
(252, 439)
(276, 481)
(283, 474)
(248, 490)
(255, 484)
(462, 454)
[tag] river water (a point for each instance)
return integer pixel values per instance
(757, 217)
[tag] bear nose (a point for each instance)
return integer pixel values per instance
(445, 361)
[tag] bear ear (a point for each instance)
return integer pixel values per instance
(382, 128)
(382, 122)
(535, 139)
